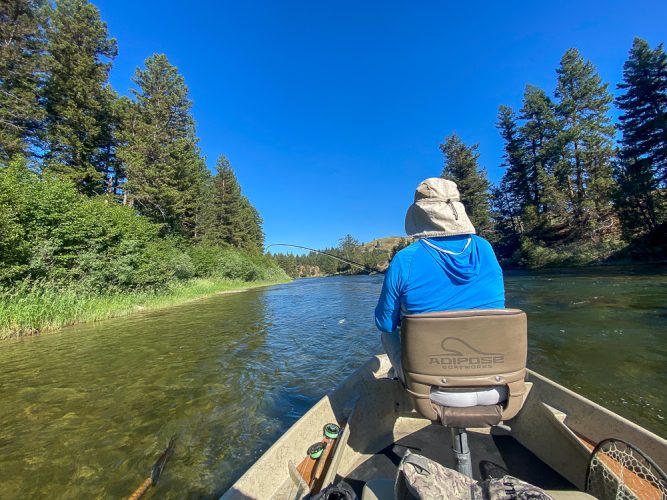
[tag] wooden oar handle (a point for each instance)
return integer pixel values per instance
(139, 492)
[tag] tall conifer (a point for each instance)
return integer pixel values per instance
(231, 219)
(165, 171)
(585, 140)
(461, 166)
(642, 171)
(516, 176)
(79, 126)
(21, 74)
(538, 133)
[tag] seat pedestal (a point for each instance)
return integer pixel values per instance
(461, 450)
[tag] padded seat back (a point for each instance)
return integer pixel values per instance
(473, 349)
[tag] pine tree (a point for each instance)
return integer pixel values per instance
(21, 74)
(231, 218)
(585, 140)
(253, 222)
(538, 133)
(642, 168)
(461, 167)
(78, 99)
(158, 147)
(510, 197)
(517, 182)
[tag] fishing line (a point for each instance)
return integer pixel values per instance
(342, 259)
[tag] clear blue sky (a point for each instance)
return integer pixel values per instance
(332, 112)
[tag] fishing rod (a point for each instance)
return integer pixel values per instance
(156, 471)
(342, 259)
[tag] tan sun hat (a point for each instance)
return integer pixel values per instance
(437, 211)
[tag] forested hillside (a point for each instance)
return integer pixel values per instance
(101, 193)
(578, 188)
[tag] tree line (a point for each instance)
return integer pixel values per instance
(571, 192)
(68, 137)
(374, 256)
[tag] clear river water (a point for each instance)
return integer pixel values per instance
(85, 412)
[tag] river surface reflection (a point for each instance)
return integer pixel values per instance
(86, 411)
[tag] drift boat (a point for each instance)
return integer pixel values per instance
(467, 402)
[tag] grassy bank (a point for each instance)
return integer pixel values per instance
(28, 311)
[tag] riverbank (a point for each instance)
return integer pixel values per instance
(40, 310)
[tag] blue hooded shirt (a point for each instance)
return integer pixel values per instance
(440, 274)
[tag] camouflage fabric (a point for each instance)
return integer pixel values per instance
(511, 488)
(424, 479)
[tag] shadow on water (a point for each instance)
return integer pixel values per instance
(85, 412)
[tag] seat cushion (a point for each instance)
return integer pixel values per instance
(473, 416)
(466, 397)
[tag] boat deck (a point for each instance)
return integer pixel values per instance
(490, 451)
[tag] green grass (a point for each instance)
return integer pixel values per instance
(28, 310)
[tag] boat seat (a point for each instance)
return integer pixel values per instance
(465, 368)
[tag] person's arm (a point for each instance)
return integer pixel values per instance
(388, 310)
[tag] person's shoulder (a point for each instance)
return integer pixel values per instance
(481, 242)
(485, 247)
(408, 252)
(404, 256)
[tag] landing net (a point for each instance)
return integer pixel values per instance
(619, 471)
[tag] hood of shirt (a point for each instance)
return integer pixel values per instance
(460, 266)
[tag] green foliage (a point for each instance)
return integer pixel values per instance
(166, 174)
(231, 263)
(585, 144)
(555, 201)
(228, 217)
(116, 192)
(21, 73)
(461, 166)
(49, 232)
(33, 307)
(78, 101)
(642, 166)
(535, 255)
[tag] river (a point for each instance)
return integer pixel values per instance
(86, 411)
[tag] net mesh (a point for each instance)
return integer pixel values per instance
(619, 471)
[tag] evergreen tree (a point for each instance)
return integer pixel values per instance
(642, 168)
(231, 219)
(165, 172)
(517, 184)
(79, 126)
(253, 223)
(538, 133)
(461, 167)
(585, 140)
(21, 74)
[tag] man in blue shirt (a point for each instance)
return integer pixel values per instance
(447, 268)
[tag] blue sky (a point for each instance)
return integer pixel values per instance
(332, 112)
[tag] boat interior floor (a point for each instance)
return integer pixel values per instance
(494, 454)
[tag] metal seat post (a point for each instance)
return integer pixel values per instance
(461, 451)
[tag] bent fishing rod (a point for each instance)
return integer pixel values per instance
(342, 259)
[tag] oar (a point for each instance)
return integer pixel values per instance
(156, 471)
